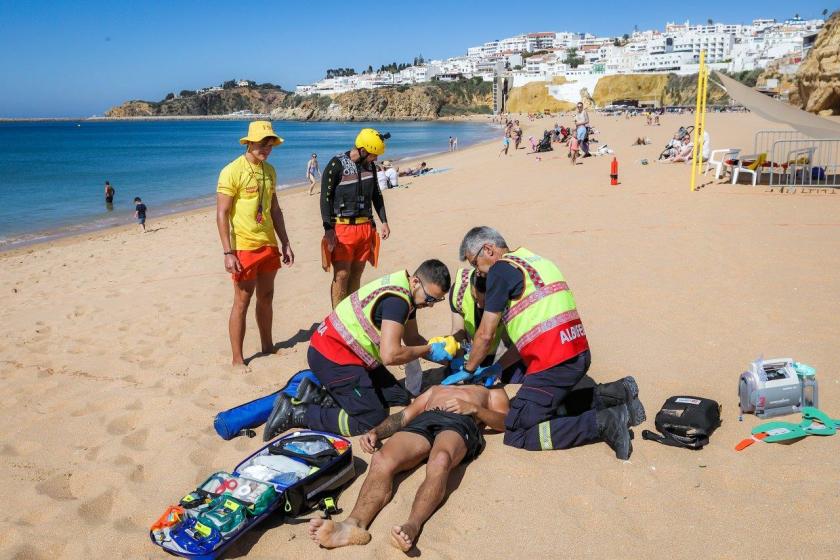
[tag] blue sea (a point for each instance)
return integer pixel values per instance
(52, 174)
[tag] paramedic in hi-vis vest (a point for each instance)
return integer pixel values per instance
(529, 295)
(467, 300)
(350, 349)
(349, 194)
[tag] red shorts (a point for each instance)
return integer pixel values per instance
(256, 262)
(354, 242)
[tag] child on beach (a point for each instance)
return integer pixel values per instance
(505, 146)
(140, 213)
(574, 145)
(533, 144)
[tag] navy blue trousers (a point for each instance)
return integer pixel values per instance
(363, 396)
(534, 421)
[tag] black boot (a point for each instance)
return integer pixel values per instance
(308, 392)
(284, 416)
(616, 392)
(612, 428)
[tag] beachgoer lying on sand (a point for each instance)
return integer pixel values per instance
(641, 141)
(414, 171)
(443, 427)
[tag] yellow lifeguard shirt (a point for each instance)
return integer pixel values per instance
(249, 185)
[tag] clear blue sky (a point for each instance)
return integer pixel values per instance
(78, 58)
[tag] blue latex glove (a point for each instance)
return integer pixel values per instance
(438, 352)
(488, 375)
(456, 377)
(456, 364)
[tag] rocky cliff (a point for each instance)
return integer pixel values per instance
(818, 78)
(256, 100)
(424, 101)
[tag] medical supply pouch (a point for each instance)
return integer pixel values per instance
(227, 505)
(241, 420)
(226, 514)
(685, 421)
(315, 450)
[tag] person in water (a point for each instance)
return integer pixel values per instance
(443, 427)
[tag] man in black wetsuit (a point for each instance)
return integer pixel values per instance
(349, 194)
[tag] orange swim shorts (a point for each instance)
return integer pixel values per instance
(355, 242)
(256, 262)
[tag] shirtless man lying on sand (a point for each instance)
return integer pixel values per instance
(442, 425)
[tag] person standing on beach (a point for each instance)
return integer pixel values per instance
(451, 144)
(581, 124)
(248, 216)
(140, 213)
(505, 145)
(349, 194)
(109, 193)
(529, 294)
(312, 170)
(454, 143)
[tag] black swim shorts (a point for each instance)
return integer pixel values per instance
(432, 422)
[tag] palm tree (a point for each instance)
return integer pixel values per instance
(824, 13)
(710, 21)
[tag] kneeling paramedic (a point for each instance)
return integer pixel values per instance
(350, 349)
(466, 301)
(529, 294)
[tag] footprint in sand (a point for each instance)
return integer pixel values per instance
(123, 460)
(27, 552)
(122, 425)
(9, 450)
(136, 405)
(136, 440)
(57, 487)
(98, 510)
(138, 474)
(92, 453)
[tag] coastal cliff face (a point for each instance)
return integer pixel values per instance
(818, 78)
(203, 104)
(417, 102)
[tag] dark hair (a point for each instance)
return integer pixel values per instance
(107, 182)
(435, 272)
(137, 199)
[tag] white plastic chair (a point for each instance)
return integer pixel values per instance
(740, 168)
(720, 163)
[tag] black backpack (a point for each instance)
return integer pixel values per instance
(685, 422)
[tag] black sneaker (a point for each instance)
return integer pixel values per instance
(284, 416)
(622, 391)
(612, 428)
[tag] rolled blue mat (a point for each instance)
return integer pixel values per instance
(239, 419)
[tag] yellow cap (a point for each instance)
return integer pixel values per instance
(371, 141)
(258, 130)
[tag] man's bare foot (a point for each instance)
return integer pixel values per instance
(240, 367)
(330, 534)
(402, 537)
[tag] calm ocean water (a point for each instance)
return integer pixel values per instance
(52, 174)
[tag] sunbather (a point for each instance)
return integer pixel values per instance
(442, 426)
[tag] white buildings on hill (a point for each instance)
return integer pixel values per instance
(542, 55)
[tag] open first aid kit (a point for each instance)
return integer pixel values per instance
(294, 474)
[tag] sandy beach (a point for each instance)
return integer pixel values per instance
(115, 357)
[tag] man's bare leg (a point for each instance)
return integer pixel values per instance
(341, 282)
(265, 312)
(356, 270)
(446, 454)
(403, 451)
(242, 292)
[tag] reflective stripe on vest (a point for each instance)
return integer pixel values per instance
(464, 284)
(523, 326)
(352, 317)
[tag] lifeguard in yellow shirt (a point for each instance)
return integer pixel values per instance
(248, 217)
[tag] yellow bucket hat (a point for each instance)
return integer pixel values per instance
(258, 130)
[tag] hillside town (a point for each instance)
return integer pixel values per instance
(585, 58)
